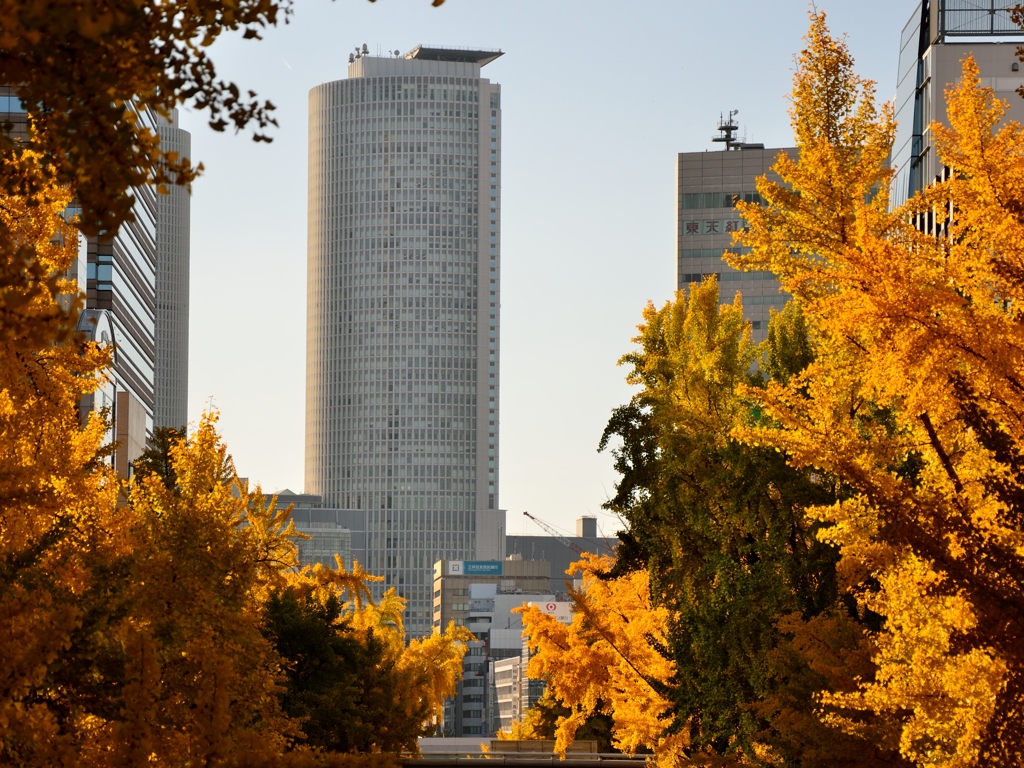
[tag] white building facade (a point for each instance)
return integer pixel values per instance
(403, 305)
(172, 288)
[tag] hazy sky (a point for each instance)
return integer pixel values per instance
(598, 96)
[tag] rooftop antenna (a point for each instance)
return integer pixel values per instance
(351, 58)
(366, 50)
(726, 129)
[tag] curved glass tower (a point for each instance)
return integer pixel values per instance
(402, 311)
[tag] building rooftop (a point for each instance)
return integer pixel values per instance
(479, 56)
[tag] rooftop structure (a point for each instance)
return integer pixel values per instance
(446, 53)
(974, 18)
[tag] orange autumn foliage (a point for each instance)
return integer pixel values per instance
(58, 518)
(607, 660)
(131, 614)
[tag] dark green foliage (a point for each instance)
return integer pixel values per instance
(339, 686)
(718, 523)
(546, 712)
(156, 459)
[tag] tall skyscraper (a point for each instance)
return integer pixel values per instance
(172, 275)
(708, 186)
(939, 34)
(403, 293)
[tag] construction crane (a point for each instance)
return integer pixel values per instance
(561, 537)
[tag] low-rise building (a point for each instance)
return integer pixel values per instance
(331, 531)
(561, 552)
(482, 596)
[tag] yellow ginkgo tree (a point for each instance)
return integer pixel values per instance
(58, 516)
(611, 659)
(914, 402)
(132, 615)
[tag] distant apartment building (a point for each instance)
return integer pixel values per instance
(480, 596)
(402, 363)
(512, 692)
(709, 184)
(499, 633)
(505, 705)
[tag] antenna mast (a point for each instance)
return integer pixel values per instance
(726, 129)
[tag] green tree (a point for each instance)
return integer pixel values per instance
(156, 459)
(720, 526)
(339, 685)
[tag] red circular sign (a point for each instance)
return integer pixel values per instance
(550, 607)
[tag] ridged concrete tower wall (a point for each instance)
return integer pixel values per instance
(172, 290)
(402, 314)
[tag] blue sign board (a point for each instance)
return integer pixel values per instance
(482, 568)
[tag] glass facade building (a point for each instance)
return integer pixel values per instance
(935, 40)
(403, 306)
(136, 287)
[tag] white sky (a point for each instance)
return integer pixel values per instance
(598, 96)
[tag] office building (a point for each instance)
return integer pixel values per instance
(331, 531)
(481, 596)
(934, 42)
(172, 274)
(121, 280)
(403, 301)
(118, 277)
(709, 185)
